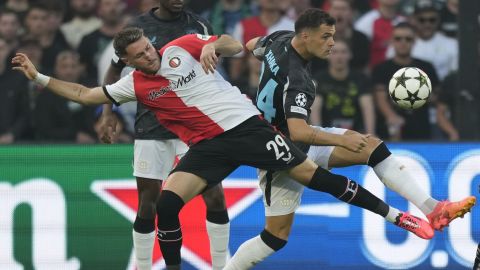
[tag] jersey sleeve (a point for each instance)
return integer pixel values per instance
(263, 42)
(122, 91)
(296, 102)
(192, 43)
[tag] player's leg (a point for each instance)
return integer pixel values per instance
(321, 155)
(344, 189)
(217, 223)
(205, 160)
(281, 198)
(180, 188)
(398, 177)
(270, 240)
(148, 170)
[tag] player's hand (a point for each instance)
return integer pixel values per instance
(107, 128)
(21, 63)
(208, 58)
(355, 142)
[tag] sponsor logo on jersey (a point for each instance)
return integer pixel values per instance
(174, 62)
(272, 63)
(156, 93)
(184, 80)
(203, 37)
(301, 99)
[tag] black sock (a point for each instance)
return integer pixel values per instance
(169, 232)
(272, 241)
(144, 226)
(378, 155)
(218, 217)
(347, 190)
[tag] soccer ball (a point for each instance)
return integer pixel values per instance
(410, 88)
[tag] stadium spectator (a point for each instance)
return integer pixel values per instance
(392, 122)
(92, 45)
(432, 45)
(359, 43)
(60, 120)
(293, 8)
(18, 6)
(52, 118)
(377, 25)
(269, 20)
(13, 100)
(343, 95)
(225, 15)
(83, 22)
(449, 18)
(40, 26)
(10, 27)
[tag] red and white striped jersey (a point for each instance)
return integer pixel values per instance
(192, 104)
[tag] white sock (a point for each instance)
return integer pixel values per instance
(397, 177)
(249, 254)
(218, 234)
(392, 214)
(143, 245)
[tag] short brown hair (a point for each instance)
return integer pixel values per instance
(124, 38)
(312, 18)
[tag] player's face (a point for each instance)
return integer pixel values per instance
(319, 41)
(402, 41)
(142, 55)
(173, 6)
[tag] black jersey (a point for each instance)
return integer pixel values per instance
(160, 32)
(286, 88)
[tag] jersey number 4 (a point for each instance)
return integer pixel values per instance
(265, 100)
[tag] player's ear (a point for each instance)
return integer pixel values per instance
(125, 60)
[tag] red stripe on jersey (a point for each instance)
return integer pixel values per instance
(192, 43)
(189, 123)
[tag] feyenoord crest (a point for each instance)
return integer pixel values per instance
(174, 62)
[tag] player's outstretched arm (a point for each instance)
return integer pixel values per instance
(72, 91)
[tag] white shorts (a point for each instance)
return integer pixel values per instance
(154, 159)
(285, 193)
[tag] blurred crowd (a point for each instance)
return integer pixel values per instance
(71, 40)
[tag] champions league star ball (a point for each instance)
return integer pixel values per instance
(410, 88)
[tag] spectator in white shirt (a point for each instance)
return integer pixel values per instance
(431, 44)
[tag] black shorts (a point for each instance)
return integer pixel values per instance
(254, 143)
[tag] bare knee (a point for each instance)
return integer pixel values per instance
(279, 226)
(148, 193)
(214, 198)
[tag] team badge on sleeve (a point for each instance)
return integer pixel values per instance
(301, 100)
(174, 62)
